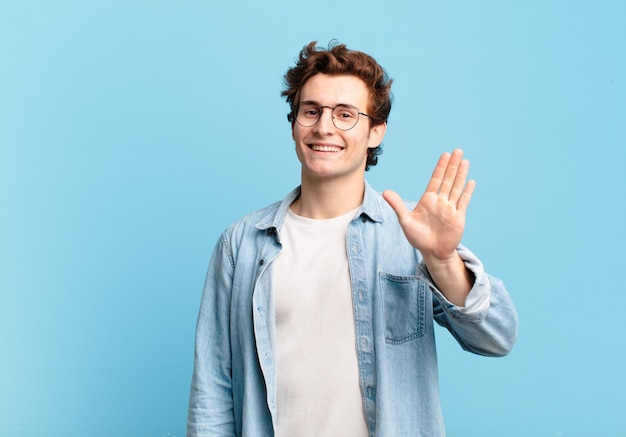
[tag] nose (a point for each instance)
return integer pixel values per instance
(325, 125)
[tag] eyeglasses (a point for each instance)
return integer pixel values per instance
(344, 117)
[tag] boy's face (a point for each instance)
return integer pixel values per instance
(326, 152)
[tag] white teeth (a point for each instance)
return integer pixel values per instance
(325, 148)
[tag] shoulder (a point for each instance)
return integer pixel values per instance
(252, 222)
(261, 221)
(377, 208)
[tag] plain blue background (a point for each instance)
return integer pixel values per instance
(132, 133)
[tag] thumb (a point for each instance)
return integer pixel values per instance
(395, 201)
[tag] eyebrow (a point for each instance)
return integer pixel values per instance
(313, 102)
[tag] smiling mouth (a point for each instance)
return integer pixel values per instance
(325, 148)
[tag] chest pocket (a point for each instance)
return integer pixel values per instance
(403, 307)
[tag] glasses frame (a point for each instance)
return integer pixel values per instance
(332, 108)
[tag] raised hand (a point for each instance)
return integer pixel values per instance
(436, 224)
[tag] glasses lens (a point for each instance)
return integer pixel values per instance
(308, 115)
(345, 117)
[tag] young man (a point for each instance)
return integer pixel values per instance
(317, 312)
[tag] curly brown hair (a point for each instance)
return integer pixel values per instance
(339, 60)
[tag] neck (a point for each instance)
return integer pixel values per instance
(328, 199)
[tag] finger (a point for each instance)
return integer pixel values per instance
(466, 196)
(434, 185)
(395, 201)
(451, 173)
(459, 181)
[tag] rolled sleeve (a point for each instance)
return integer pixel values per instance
(487, 324)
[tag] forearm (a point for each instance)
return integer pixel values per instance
(487, 323)
(451, 277)
(210, 410)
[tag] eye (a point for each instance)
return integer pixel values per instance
(309, 111)
(345, 113)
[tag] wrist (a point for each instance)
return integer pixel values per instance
(450, 276)
(441, 261)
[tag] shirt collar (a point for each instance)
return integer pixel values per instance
(372, 208)
(372, 205)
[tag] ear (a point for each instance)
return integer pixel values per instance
(377, 133)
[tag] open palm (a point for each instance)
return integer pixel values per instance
(436, 224)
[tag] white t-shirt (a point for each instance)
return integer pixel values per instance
(317, 373)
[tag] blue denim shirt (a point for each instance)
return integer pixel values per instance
(233, 391)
